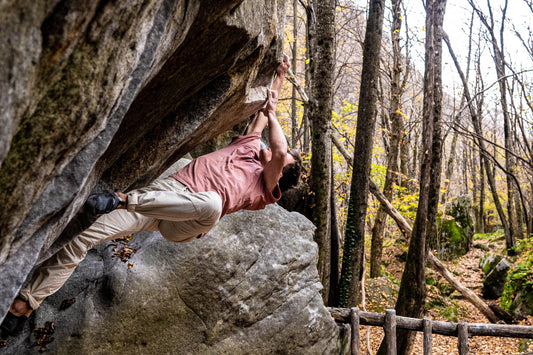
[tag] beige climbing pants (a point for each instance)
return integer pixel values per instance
(165, 205)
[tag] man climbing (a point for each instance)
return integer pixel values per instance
(183, 206)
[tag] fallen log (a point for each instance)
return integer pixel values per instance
(468, 294)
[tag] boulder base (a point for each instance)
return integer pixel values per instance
(249, 286)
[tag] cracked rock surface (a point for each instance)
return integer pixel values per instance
(249, 286)
(107, 95)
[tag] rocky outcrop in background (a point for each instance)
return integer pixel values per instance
(248, 287)
(108, 94)
(455, 229)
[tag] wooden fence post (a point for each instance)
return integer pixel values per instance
(390, 331)
(354, 323)
(390, 322)
(428, 330)
(462, 334)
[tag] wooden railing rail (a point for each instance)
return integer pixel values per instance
(390, 321)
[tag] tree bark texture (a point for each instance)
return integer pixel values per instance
(412, 293)
(321, 107)
(396, 135)
(436, 159)
(294, 123)
(333, 298)
(355, 226)
(480, 220)
(309, 70)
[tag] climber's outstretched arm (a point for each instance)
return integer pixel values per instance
(260, 120)
(272, 170)
(258, 123)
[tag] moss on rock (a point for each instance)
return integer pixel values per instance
(456, 229)
(453, 240)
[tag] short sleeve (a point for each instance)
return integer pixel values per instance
(251, 141)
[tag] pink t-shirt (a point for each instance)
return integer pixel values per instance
(234, 172)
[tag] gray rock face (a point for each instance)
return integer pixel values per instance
(495, 281)
(523, 304)
(488, 262)
(108, 95)
(249, 287)
(456, 229)
(461, 210)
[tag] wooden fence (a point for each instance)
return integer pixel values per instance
(390, 321)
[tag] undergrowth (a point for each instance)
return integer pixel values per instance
(520, 276)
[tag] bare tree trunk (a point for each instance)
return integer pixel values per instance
(453, 145)
(412, 294)
(436, 159)
(449, 167)
(404, 157)
(294, 124)
(480, 220)
(499, 61)
(333, 298)
(355, 226)
(476, 122)
(321, 137)
(309, 70)
(396, 134)
(530, 224)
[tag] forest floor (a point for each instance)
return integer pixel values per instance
(452, 308)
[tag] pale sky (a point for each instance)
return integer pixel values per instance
(456, 22)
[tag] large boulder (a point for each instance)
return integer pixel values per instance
(108, 94)
(488, 262)
(456, 229)
(247, 287)
(461, 210)
(496, 268)
(494, 283)
(522, 304)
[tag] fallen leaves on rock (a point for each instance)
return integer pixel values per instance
(124, 254)
(123, 251)
(44, 335)
(66, 304)
(3, 343)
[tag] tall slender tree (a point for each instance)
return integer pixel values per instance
(294, 108)
(352, 267)
(412, 294)
(498, 56)
(310, 45)
(321, 107)
(436, 156)
(485, 154)
(396, 135)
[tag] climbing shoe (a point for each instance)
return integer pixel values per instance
(102, 203)
(13, 324)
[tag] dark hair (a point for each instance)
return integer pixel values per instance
(291, 172)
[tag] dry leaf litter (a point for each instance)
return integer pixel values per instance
(466, 270)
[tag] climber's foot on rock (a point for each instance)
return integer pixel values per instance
(105, 202)
(16, 318)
